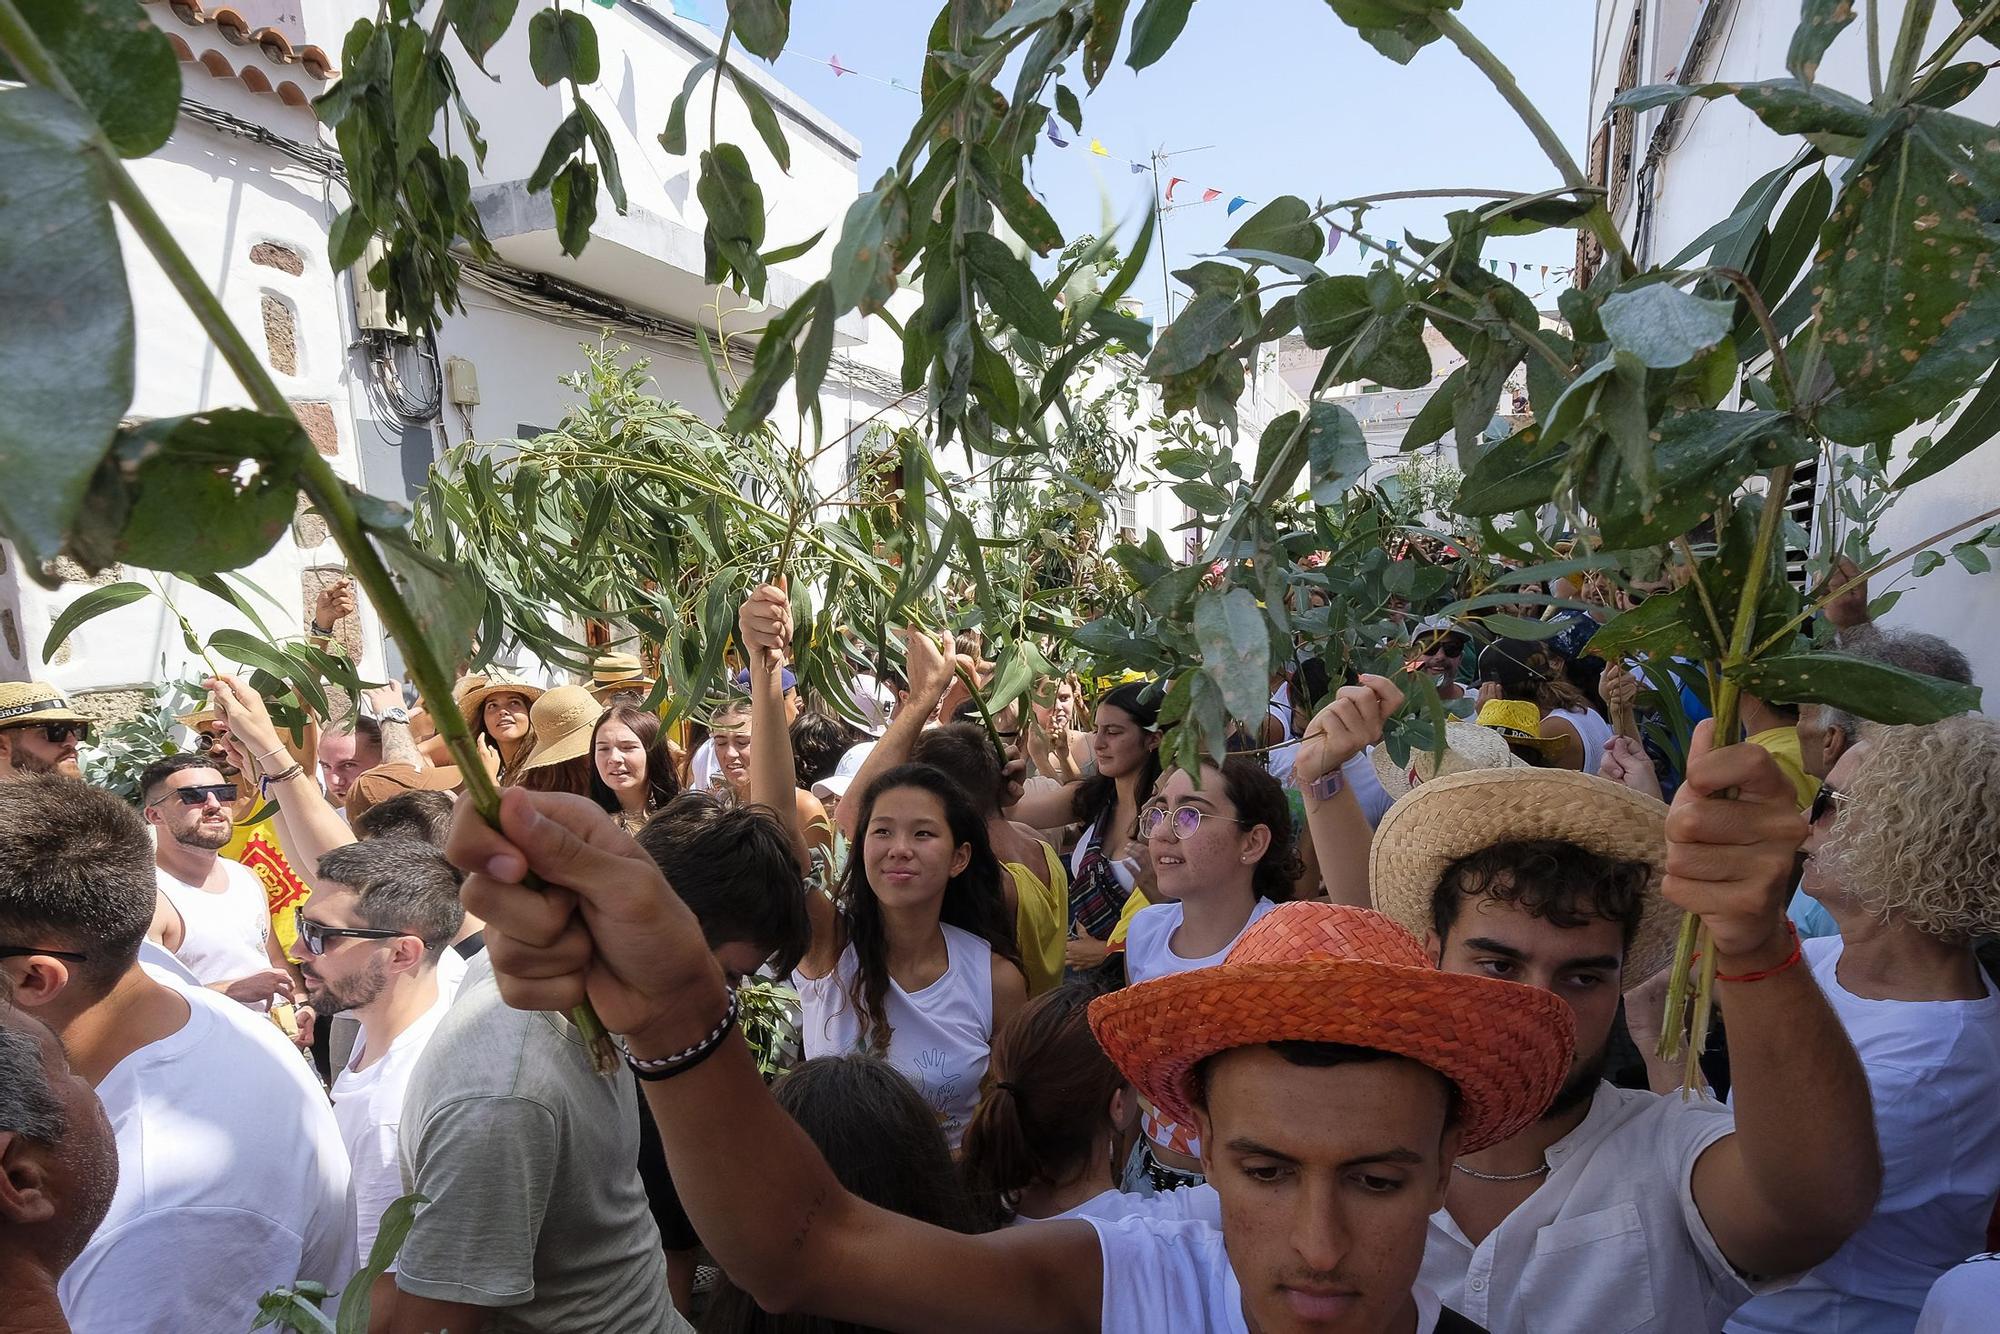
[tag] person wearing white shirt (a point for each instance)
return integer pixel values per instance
(1620, 1210)
(1900, 854)
(385, 911)
(231, 1176)
(1964, 1300)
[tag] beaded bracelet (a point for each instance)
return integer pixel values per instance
(666, 1067)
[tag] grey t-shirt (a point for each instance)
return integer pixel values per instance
(530, 1160)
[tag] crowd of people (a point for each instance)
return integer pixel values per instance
(1048, 1037)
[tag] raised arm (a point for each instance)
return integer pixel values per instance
(1803, 1169)
(765, 622)
(398, 747)
(1350, 723)
(928, 667)
(308, 825)
(767, 1206)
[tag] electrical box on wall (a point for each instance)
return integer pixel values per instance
(461, 382)
(371, 303)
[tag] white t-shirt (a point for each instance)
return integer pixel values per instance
(1592, 728)
(1965, 1299)
(1189, 1204)
(1149, 953)
(1933, 1072)
(1174, 1278)
(1612, 1242)
(368, 1105)
(223, 936)
(231, 1180)
(939, 1038)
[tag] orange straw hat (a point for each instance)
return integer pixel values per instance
(1455, 816)
(1322, 972)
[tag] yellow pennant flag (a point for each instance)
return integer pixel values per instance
(1098, 149)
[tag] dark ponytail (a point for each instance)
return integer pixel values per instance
(1048, 1102)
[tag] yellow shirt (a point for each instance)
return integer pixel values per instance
(1041, 919)
(1131, 910)
(256, 846)
(1783, 745)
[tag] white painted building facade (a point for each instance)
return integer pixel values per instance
(1695, 178)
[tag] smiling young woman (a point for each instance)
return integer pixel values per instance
(632, 769)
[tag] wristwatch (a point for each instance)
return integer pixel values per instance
(399, 714)
(1326, 786)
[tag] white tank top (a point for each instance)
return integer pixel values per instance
(939, 1038)
(1590, 725)
(1149, 953)
(222, 935)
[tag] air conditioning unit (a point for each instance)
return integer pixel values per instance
(371, 303)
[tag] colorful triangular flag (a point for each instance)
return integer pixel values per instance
(1513, 269)
(1209, 196)
(1098, 149)
(1172, 181)
(1545, 273)
(1055, 138)
(1236, 203)
(1138, 169)
(684, 9)
(837, 68)
(1333, 235)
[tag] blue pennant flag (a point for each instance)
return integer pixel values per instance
(1237, 203)
(1055, 138)
(1138, 169)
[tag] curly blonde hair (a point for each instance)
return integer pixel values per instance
(1919, 841)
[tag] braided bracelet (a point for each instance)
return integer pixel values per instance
(666, 1067)
(1791, 959)
(264, 783)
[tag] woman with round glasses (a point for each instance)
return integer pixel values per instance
(1222, 856)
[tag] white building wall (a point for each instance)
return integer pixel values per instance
(1719, 149)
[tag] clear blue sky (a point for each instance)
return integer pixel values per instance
(1291, 99)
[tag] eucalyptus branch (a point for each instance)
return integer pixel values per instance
(1503, 80)
(721, 65)
(1903, 64)
(316, 477)
(1960, 35)
(1701, 589)
(1780, 365)
(1533, 340)
(1874, 51)
(1806, 613)
(1362, 201)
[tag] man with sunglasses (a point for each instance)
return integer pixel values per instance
(383, 913)
(39, 732)
(212, 913)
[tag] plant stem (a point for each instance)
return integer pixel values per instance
(1781, 367)
(721, 62)
(316, 477)
(1903, 64)
(1960, 35)
(1599, 218)
(1875, 52)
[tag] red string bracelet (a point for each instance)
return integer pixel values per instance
(1790, 960)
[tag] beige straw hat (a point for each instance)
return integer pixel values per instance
(561, 722)
(1323, 972)
(1467, 747)
(25, 703)
(472, 691)
(1456, 816)
(611, 673)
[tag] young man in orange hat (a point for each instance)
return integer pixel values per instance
(1619, 1210)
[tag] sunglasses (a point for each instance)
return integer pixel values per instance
(224, 793)
(314, 935)
(1185, 820)
(1824, 803)
(29, 951)
(57, 734)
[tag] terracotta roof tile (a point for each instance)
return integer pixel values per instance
(274, 46)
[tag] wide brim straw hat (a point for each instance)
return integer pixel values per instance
(1467, 747)
(1322, 972)
(619, 672)
(1449, 818)
(28, 702)
(1520, 722)
(561, 722)
(471, 692)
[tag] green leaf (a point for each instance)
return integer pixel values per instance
(867, 256)
(1236, 649)
(446, 604)
(1159, 22)
(347, 239)
(88, 608)
(1976, 423)
(66, 336)
(1661, 628)
(794, 250)
(390, 1235)
(570, 135)
(1336, 451)
(1516, 474)
(562, 44)
(1011, 289)
(1782, 253)
(186, 466)
(1972, 558)
(763, 117)
(1521, 627)
(574, 194)
(479, 24)
(254, 652)
(1338, 314)
(1699, 457)
(1925, 562)
(1210, 323)
(1285, 227)
(735, 206)
(1905, 276)
(607, 154)
(1010, 194)
(1861, 686)
(674, 138)
(1787, 106)
(1433, 419)
(1820, 21)
(121, 66)
(1396, 28)
(1663, 326)
(762, 26)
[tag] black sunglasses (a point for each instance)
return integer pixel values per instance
(314, 935)
(57, 734)
(28, 951)
(1824, 803)
(224, 793)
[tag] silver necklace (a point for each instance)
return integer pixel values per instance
(1478, 1175)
